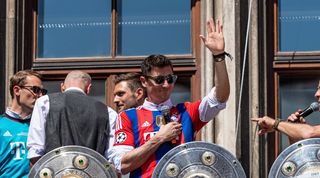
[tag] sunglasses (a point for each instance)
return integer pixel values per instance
(36, 89)
(160, 79)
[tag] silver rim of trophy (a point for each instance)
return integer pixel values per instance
(72, 162)
(198, 159)
(301, 159)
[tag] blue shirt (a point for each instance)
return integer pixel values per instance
(13, 151)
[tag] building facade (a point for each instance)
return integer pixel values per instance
(275, 69)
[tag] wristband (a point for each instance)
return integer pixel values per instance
(221, 57)
(276, 124)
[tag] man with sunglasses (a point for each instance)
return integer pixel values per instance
(25, 88)
(70, 117)
(144, 134)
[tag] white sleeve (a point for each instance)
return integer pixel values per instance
(116, 153)
(210, 106)
(112, 122)
(36, 135)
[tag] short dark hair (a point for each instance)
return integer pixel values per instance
(154, 60)
(132, 79)
(19, 79)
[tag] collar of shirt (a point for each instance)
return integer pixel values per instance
(156, 107)
(74, 88)
(15, 115)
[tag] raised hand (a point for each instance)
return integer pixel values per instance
(215, 39)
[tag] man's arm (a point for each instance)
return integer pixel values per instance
(112, 123)
(138, 156)
(36, 134)
(296, 131)
(215, 43)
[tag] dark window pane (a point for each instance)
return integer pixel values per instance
(152, 26)
(97, 89)
(297, 94)
(74, 28)
(299, 24)
(181, 92)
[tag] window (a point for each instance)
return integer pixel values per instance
(74, 28)
(81, 28)
(98, 89)
(299, 25)
(295, 62)
(297, 95)
(109, 37)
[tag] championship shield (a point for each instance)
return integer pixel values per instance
(299, 160)
(72, 162)
(198, 159)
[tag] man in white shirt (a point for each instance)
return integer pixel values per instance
(70, 118)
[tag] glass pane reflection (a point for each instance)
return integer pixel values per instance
(152, 26)
(299, 24)
(97, 90)
(74, 28)
(297, 95)
(181, 91)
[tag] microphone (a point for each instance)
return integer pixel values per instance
(165, 110)
(313, 107)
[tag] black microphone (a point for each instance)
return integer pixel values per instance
(165, 110)
(313, 107)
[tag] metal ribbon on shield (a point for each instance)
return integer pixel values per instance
(198, 159)
(301, 159)
(72, 162)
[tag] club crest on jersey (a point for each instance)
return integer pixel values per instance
(160, 120)
(121, 137)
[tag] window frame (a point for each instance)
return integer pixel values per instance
(113, 59)
(102, 67)
(282, 65)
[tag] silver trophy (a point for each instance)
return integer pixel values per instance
(198, 160)
(72, 162)
(301, 160)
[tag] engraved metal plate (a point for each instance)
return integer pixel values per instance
(72, 162)
(198, 160)
(301, 160)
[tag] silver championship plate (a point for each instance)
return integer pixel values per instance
(198, 159)
(299, 160)
(72, 162)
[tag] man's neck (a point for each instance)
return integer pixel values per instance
(18, 109)
(153, 106)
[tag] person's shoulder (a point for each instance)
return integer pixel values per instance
(111, 111)
(52, 94)
(4, 120)
(188, 104)
(2, 117)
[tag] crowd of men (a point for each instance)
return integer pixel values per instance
(71, 117)
(135, 136)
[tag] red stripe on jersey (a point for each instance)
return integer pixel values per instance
(193, 111)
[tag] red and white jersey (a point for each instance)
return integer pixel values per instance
(136, 126)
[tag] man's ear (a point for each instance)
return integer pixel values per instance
(16, 90)
(143, 81)
(88, 89)
(139, 93)
(62, 87)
